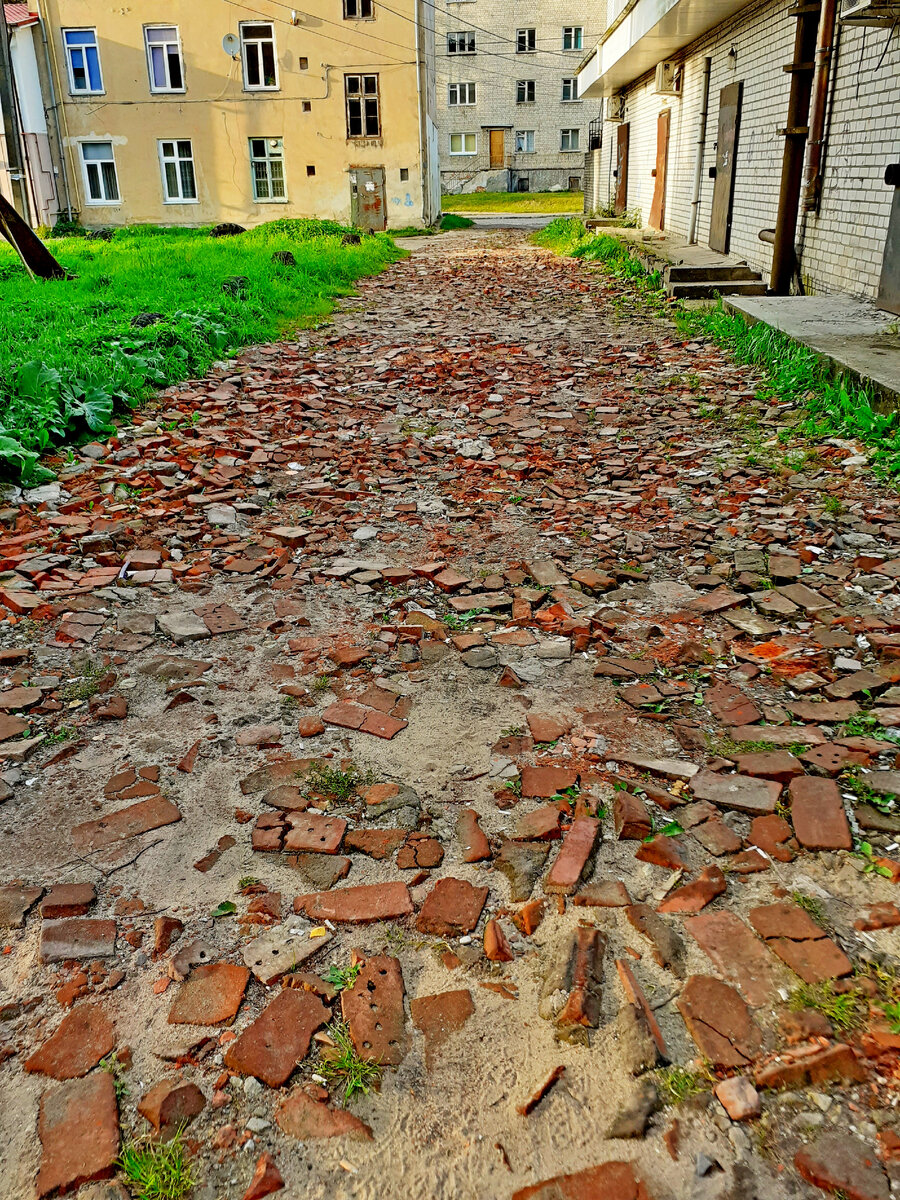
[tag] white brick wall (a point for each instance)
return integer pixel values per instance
(842, 246)
(495, 69)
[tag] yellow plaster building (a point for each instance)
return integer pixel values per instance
(196, 111)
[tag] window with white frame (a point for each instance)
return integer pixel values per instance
(267, 169)
(101, 184)
(164, 58)
(461, 93)
(358, 10)
(525, 91)
(461, 43)
(524, 141)
(463, 143)
(570, 139)
(570, 89)
(179, 180)
(83, 60)
(363, 109)
(573, 37)
(526, 40)
(258, 56)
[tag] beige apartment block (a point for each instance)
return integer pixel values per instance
(198, 111)
(508, 112)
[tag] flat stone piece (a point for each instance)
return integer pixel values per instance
(739, 1098)
(576, 852)
(731, 706)
(68, 900)
(668, 948)
(356, 905)
(719, 1022)
(279, 951)
(668, 768)
(84, 1037)
(220, 618)
(522, 864)
(741, 792)
(777, 735)
(540, 824)
(697, 894)
(138, 818)
(171, 1103)
(603, 893)
(824, 712)
(210, 995)
(321, 871)
(272, 1046)
(373, 1008)
(472, 838)
(799, 942)
(609, 1181)
(543, 782)
(577, 974)
(345, 715)
(15, 903)
(840, 1162)
(544, 728)
(79, 1131)
(183, 626)
(77, 937)
(266, 1178)
(817, 813)
(451, 908)
(770, 764)
(301, 1116)
(19, 697)
(885, 783)
(440, 1016)
(309, 831)
(377, 843)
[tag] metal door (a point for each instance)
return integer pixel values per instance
(726, 151)
(622, 137)
(367, 206)
(889, 287)
(658, 207)
(498, 148)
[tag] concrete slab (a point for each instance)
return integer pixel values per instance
(857, 337)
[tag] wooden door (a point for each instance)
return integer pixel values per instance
(889, 287)
(622, 137)
(726, 152)
(498, 148)
(658, 207)
(367, 206)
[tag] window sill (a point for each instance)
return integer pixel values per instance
(577, 150)
(578, 101)
(252, 90)
(85, 95)
(168, 91)
(270, 200)
(103, 203)
(177, 202)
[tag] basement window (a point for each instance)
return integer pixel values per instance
(258, 55)
(404, 174)
(307, 106)
(363, 113)
(310, 170)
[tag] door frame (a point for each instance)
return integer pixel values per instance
(501, 133)
(357, 208)
(731, 96)
(657, 218)
(623, 147)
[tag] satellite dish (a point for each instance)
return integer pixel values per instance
(231, 44)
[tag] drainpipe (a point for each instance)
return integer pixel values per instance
(701, 146)
(54, 109)
(784, 256)
(812, 179)
(424, 165)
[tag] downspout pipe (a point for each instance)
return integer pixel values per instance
(701, 147)
(815, 148)
(784, 255)
(54, 109)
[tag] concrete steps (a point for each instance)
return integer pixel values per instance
(705, 283)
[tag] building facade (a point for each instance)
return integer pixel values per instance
(213, 111)
(509, 115)
(748, 64)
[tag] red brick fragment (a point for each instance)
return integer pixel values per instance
(452, 908)
(610, 1181)
(171, 1103)
(356, 905)
(84, 1037)
(440, 1016)
(373, 1009)
(79, 1130)
(577, 850)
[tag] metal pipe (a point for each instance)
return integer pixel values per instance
(815, 147)
(11, 131)
(784, 255)
(701, 147)
(54, 109)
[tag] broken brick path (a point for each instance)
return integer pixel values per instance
(617, 669)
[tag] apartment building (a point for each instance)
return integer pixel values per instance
(204, 111)
(768, 129)
(509, 114)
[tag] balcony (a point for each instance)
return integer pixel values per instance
(642, 33)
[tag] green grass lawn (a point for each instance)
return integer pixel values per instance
(515, 202)
(69, 356)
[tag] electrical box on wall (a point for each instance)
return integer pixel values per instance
(668, 79)
(870, 12)
(615, 108)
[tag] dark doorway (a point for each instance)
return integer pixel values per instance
(726, 152)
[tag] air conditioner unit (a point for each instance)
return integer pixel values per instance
(668, 79)
(870, 12)
(615, 107)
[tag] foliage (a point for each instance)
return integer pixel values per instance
(114, 1067)
(514, 202)
(676, 1084)
(325, 780)
(157, 1170)
(452, 221)
(811, 905)
(845, 1010)
(342, 1064)
(70, 358)
(342, 977)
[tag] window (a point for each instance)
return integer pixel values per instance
(526, 39)
(310, 170)
(461, 43)
(462, 93)
(258, 54)
(463, 143)
(101, 182)
(525, 91)
(267, 169)
(358, 10)
(179, 181)
(524, 141)
(569, 139)
(573, 37)
(164, 59)
(363, 114)
(83, 58)
(570, 89)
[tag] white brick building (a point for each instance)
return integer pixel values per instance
(842, 246)
(509, 115)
